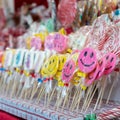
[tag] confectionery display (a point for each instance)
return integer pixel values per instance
(64, 65)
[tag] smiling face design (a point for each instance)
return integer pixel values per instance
(92, 76)
(62, 60)
(68, 70)
(110, 63)
(101, 64)
(60, 43)
(50, 67)
(87, 60)
(36, 43)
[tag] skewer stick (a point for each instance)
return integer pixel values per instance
(111, 89)
(87, 97)
(91, 99)
(100, 93)
(103, 90)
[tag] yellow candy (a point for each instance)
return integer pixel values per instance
(69, 50)
(81, 74)
(50, 67)
(76, 80)
(17, 70)
(9, 72)
(83, 87)
(62, 60)
(62, 31)
(26, 73)
(42, 35)
(60, 84)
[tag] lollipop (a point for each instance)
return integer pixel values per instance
(110, 63)
(60, 42)
(49, 42)
(87, 60)
(68, 70)
(67, 11)
(36, 43)
(101, 65)
(91, 76)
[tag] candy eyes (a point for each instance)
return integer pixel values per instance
(63, 61)
(91, 55)
(85, 54)
(67, 65)
(107, 57)
(52, 61)
(71, 67)
(111, 59)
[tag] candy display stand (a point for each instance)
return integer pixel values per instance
(30, 111)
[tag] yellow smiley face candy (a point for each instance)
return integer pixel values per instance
(62, 60)
(50, 67)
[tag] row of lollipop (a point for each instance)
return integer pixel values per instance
(25, 73)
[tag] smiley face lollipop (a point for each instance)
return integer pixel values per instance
(50, 67)
(110, 63)
(92, 76)
(62, 60)
(68, 71)
(60, 42)
(101, 64)
(87, 60)
(36, 43)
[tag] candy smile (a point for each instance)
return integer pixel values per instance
(86, 65)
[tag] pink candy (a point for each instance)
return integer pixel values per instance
(36, 43)
(87, 60)
(68, 71)
(60, 43)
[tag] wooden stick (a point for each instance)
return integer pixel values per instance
(51, 95)
(103, 90)
(111, 89)
(76, 92)
(91, 99)
(86, 98)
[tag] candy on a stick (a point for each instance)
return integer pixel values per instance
(87, 60)
(60, 42)
(36, 43)
(67, 12)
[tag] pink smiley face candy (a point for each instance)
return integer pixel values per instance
(36, 43)
(101, 64)
(60, 42)
(92, 76)
(68, 71)
(87, 60)
(49, 42)
(110, 63)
